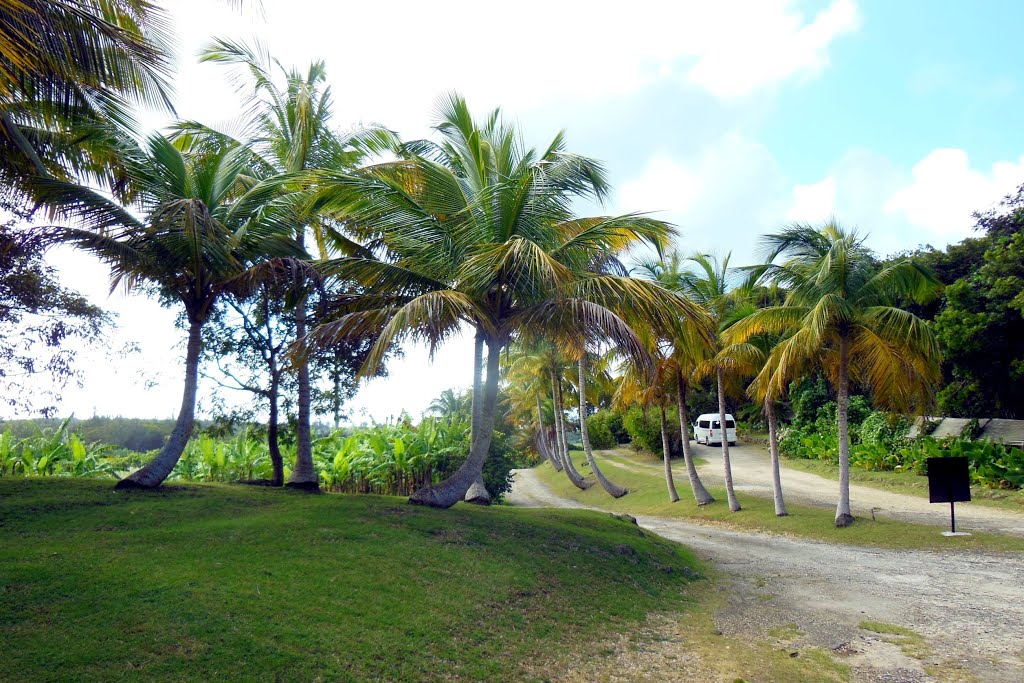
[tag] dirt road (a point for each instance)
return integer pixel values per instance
(968, 606)
(751, 473)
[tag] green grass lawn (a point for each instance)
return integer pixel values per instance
(216, 582)
(909, 483)
(649, 495)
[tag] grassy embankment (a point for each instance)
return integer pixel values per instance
(643, 476)
(216, 582)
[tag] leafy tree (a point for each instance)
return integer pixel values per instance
(839, 316)
(203, 226)
(38, 317)
(982, 321)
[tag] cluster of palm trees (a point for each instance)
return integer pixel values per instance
(820, 302)
(420, 240)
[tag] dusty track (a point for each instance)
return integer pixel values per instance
(967, 605)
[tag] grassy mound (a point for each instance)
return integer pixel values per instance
(215, 582)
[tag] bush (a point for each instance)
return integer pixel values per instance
(644, 427)
(809, 444)
(884, 429)
(601, 435)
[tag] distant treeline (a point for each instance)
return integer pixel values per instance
(131, 433)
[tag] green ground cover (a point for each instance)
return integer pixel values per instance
(222, 582)
(648, 495)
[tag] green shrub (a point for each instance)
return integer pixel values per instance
(644, 427)
(600, 433)
(884, 429)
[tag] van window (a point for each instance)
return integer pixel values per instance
(703, 424)
(715, 424)
(729, 424)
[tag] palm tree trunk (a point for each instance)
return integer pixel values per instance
(730, 493)
(773, 447)
(613, 490)
(273, 446)
(843, 515)
(543, 434)
(453, 489)
(673, 495)
(700, 494)
(304, 474)
(160, 467)
(570, 470)
(477, 492)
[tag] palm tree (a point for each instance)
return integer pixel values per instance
(839, 315)
(68, 70)
(687, 350)
(450, 403)
(477, 230)
(203, 226)
(638, 388)
(712, 285)
(289, 133)
(613, 490)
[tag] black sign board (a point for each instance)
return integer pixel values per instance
(949, 480)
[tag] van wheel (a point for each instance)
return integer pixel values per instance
(732, 443)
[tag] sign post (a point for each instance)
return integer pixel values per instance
(949, 481)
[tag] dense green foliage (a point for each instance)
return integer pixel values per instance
(879, 443)
(391, 459)
(980, 320)
(606, 429)
(198, 582)
(644, 429)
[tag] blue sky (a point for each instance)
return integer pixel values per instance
(728, 118)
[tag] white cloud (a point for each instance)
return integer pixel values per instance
(519, 58)
(762, 43)
(813, 203)
(945, 191)
(722, 198)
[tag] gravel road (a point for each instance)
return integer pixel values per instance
(969, 606)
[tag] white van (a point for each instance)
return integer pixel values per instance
(708, 429)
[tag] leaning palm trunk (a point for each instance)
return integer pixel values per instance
(773, 447)
(613, 490)
(543, 447)
(304, 474)
(477, 492)
(730, 493)
(843, 515)
(700, 494)
(575, 477)
(452, 490)
(673, 496)
(160, 467)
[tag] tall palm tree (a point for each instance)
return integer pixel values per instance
(203, 225)
(477, 230)
(688, 349)
(713, 285)
(839, 314)
(636, 387)
(289, 132)
(747, 359)
(614, 490)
